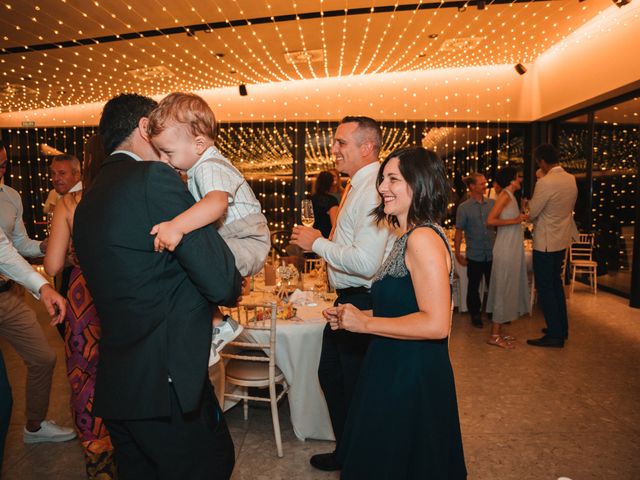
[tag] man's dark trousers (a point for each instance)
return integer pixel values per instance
(6, 402)
(475, 272)
(547, 268)
(192, 446)
(340, 361)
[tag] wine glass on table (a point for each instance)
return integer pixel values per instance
(306, 210)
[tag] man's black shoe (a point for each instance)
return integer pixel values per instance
(325, 461)
(546, 342)
(476, 321)
(545, 330)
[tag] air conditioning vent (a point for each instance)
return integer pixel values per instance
(460, 44)
(14, 89)
(151, 73)
(304, 56)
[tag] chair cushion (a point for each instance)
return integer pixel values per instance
(247, 370)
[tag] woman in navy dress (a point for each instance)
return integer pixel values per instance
(403, 422)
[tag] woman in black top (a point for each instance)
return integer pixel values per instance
(325, 205)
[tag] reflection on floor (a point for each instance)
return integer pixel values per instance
(529, 413)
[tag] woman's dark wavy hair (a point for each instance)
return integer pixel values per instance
(93, 157)
(324, 180)
(425, 174)
(505, 175)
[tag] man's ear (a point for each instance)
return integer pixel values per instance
(201, 144)
(143, 125)
(366, 148)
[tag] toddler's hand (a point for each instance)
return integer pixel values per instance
(167, 237)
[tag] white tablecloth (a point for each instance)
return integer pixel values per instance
(298, 346)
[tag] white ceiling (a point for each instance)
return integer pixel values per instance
(363, 44)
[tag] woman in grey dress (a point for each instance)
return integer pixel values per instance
(508, 290)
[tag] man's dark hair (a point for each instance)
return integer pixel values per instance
(369, 129)
(505, 175)
(120, 117)
(546, 152)
(324, 180)
(425, 174)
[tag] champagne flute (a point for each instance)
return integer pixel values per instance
(306, 209)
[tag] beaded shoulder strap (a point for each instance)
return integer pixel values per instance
(395, 266)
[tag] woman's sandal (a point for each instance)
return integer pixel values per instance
(508, 338)
(499, 341)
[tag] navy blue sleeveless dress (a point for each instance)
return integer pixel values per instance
(403, 422)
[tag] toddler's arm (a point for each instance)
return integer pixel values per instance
(211, 208)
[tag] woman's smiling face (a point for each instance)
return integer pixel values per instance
(395, 191)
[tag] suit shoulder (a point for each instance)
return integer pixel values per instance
(161, 171)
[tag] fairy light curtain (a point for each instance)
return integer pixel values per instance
(29, 151)
(264, 154)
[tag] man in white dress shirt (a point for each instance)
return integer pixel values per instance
(18, 323)
(353, 254)
(551, 210)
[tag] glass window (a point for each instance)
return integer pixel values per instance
(616, 147)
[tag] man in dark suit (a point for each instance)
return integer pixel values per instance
(152, 388)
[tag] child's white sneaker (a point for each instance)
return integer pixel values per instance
(224, 333)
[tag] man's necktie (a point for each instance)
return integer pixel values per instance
(347, 189)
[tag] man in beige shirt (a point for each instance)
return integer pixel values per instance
(551, 210)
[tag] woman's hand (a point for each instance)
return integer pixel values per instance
(352, 319)
(331, 315)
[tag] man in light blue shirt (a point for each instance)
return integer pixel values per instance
(471, 219)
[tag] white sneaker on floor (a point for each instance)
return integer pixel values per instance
(224, 333)
(49, 432)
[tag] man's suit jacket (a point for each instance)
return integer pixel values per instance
(551, 210)
(154, 307)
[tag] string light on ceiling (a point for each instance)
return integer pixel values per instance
(69, 53)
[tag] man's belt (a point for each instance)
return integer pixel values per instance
(352, 291)
(5, 286)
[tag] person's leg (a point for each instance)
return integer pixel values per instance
(19, 325)
(486, 271)
(6, 402)
(545, 272)
(195, 446)
(497, 337)
(558, 288)
(352, 348)
(474, 275)
(132, 461)
(331, 379)
(81, 339)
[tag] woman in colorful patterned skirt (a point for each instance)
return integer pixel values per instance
(82, 326)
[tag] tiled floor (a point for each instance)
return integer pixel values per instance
(529, 413)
